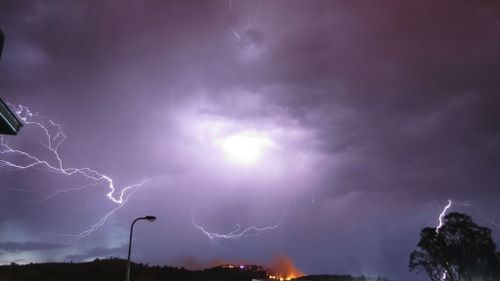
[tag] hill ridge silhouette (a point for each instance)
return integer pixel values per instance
(114, 269)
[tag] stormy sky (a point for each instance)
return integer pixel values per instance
(343, 126)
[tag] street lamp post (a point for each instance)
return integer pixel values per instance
(2, 38)
(148, 218)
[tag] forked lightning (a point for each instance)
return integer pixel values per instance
(53, 137)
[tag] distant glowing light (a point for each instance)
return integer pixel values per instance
(282, 278)
(443, 277)
(245, 149)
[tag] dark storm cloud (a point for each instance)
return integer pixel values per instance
(406, 89)
(398, 101)
(17, 247)
(142, 50)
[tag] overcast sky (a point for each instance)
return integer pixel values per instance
(342, 126)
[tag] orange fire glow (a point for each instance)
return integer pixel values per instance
(280, 268)
(284, 269)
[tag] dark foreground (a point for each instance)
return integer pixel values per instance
(114, 270)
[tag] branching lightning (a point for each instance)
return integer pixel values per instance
(238, 232)
(53, 137)
(249, 231)
(61, 191)
(96, 226)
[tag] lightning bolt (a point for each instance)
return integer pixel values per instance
(468, 205)
(250, 17)
(103, 220)
(441, 216)
(53, 137)
(445, 274)
(238, 232)
(236, 35)
(249, 231)
(61, 191)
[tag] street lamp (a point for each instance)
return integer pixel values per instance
(148, 218)
(2, 38)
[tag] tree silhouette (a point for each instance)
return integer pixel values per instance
(458, 251)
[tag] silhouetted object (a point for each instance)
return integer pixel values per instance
(9, 124)
(148, 218)
(339, 278)
(2, 39)
(460, 250)
(112, 270)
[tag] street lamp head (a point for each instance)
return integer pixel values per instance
(150, 218)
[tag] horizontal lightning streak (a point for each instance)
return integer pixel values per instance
(238, 232)
(52, 144)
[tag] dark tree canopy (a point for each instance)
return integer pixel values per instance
(459, 251)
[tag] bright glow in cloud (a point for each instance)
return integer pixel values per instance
(245, 149)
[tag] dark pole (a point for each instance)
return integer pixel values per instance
(149, 218)
(2, 38)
